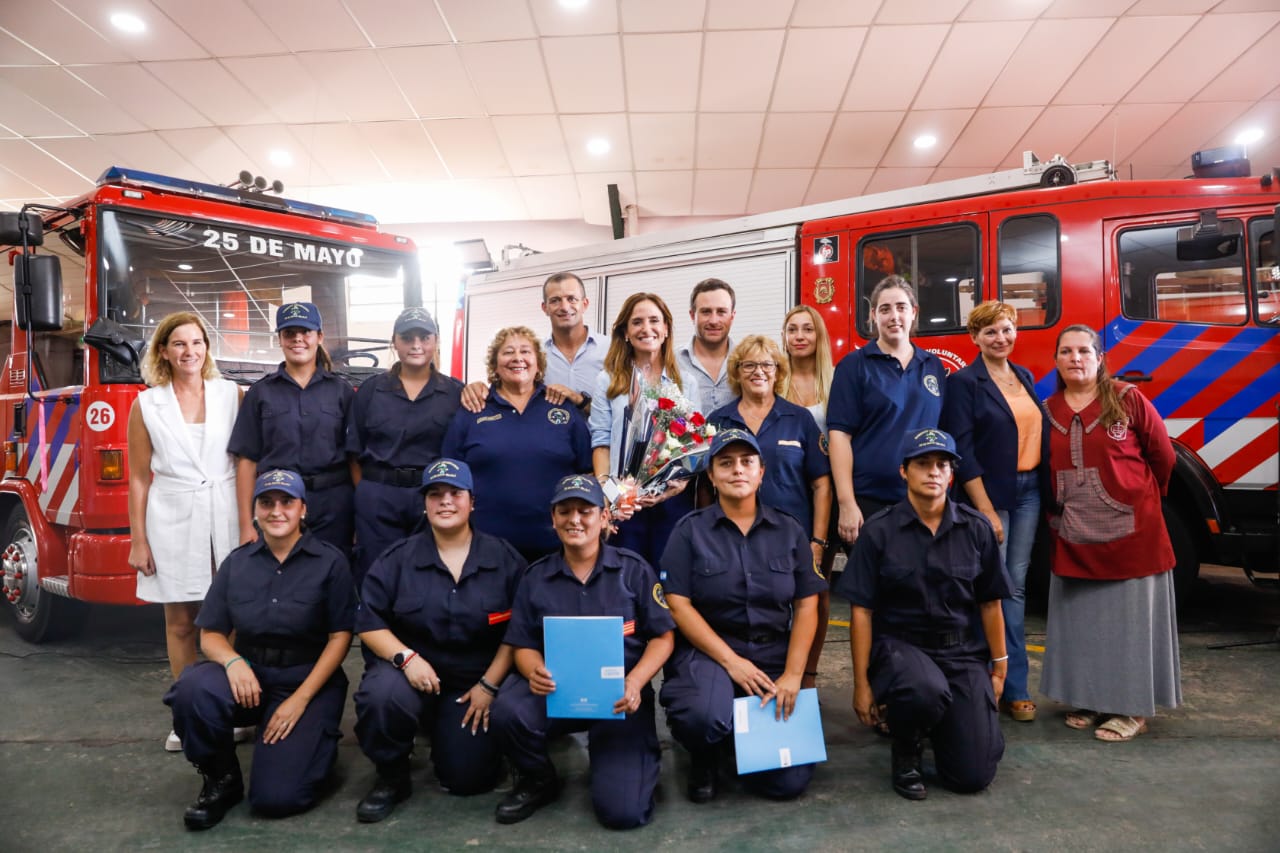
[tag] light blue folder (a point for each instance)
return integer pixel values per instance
(584, 656)
(763, 743)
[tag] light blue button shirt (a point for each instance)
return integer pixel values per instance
(706, 393)
(580, 373)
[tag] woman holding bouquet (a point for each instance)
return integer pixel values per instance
(519, 445)
(640, 357)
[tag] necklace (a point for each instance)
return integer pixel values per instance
(1008, 383)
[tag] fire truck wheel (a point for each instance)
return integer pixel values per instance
(1186, 568)
(39, 616)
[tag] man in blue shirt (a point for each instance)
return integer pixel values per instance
(704, 364)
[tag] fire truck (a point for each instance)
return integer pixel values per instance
(138, 247)
(1181, 277)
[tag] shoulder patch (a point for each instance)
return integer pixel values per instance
(659, 596)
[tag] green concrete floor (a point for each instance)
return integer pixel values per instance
(81, 767)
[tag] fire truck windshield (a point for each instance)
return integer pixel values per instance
(235, 278)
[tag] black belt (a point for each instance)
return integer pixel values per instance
(339, 476)
(931, 639)
(276, 656)
(758, 637)
(388, 476)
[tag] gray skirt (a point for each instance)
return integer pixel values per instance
(1112, 646)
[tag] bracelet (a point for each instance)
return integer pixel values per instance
(811, 673)
(491, 689)
(227, 665)
(816, 541)
(997, 660)
(412, 654)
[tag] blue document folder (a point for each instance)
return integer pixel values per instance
(584, 656)
(764, 743)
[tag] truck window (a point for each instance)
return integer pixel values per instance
(1156, 285)
(1266, 271)
(1030, 269)
(942, 265)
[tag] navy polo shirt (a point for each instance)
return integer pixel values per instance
(914, 580)
(516, 459)
(456, 625)
(296, 603)
(741, 585)
(792, 450)
(283, 425)
(876, 401)
(386, 427)
(621, 584)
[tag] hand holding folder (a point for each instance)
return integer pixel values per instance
(584, 655)
(763, 741)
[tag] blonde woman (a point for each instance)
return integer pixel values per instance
(809, 368)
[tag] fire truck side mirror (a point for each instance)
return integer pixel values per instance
(1209, 239)
(38, 292)
(12, 224)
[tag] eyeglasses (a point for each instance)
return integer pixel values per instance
(750, 367)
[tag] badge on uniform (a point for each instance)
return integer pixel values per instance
(931, 385)
(499, 618)
(558, 416)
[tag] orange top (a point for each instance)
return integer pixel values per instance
(1026, 414)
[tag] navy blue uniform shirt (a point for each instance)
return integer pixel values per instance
(297, 603)
(386, 427)
(876, 401)
(456, 626)
(741, 585)
(791, 448)
(516, 459)
(283, 425)
(916, 581)
(621, 584)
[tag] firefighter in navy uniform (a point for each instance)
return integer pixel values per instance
(289, 600)
(295, 419)
(434, 610)
(922, 572)
(395, 428)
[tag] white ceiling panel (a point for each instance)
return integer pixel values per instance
(585, 73)
(493, 200)
(945, 125)
(259, 141)
(1198, 57)
(1044, 59)
(434, 80)
(1119, 60)
(58, 34)
(404, 150)
(488, 20)
(721, 192)
(469, 147)
(1171, 7)
(1121, 131)
(1244, 6)
(1003, 10)
(728, 140)
(834, 13)
(25, 117)
(1087, 8)
(985, 140)
(223, 99)
(311, 24)
(860, 139)
(662, 71)
(163, 38)
(747, 14)
(151, 152)
(85, 155)
(663, 141)
(593, 192)
(509, 77)
(816, 65)
(358, 83)
(665, 193)
(40, 168)
(211, 151)
(662, 16)
(392, 23)
(1198, 121)
(1058, 130)
(738, 70)
(14, 52)
(777, 189)
(534, 145)
(885, 180)
(919, 11)
(1251, 76)
(225, 28)
(293, 94)
(342, 148)
(887, 76)
(130, 88)
(12, 184)
(970, 60)
(832, 184)
(551, 196)
(793, 140)
(579, 129)
(951, 173)
(553, 19)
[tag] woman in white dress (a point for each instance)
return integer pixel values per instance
(183, 519)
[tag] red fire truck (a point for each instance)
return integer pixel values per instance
(1181, 277)
(138, 247)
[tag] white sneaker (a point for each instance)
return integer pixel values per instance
(172, 744)
(245, 734)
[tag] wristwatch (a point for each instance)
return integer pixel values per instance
(402, 657)
(586, 401)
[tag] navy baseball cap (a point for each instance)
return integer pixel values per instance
(280, 480)
(581, 487)
(449, 472)
(733, 435)
(918, 442)
(298, 315)
(415, 318)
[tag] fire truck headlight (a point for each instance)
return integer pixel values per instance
(110, 464)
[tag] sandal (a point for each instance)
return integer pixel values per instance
(1120, 729)
(1083, 718)
(1022, 710)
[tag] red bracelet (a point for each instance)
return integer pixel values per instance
(411, 656)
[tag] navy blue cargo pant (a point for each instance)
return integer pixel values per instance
(329, 514)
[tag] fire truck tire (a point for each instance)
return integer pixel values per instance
(39, 616)
(1186, 568)
(1057, 176)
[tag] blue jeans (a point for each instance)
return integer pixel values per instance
(1019, 535)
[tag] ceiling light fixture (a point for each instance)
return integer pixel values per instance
(185, 267)
(127, 22)
(925, 140)
(574, 4)
(598, 146)
(280, 157)
(1248, 137)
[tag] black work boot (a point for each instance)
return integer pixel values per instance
(703, 775)
(908, 778)
(531, 792)
(391, 787)
(223, 788)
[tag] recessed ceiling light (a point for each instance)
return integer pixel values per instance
(925, 140)
(598, 146)
(1248, 137)
(127, 22)
(184, 267)
(574, 4)
(280, 157)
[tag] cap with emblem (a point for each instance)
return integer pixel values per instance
(579, 487)
(918, 442)
(449, 472)
(415, 319)
(280, 480)
(298, 315)
(726, 437)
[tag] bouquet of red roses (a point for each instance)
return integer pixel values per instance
(672, 438)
